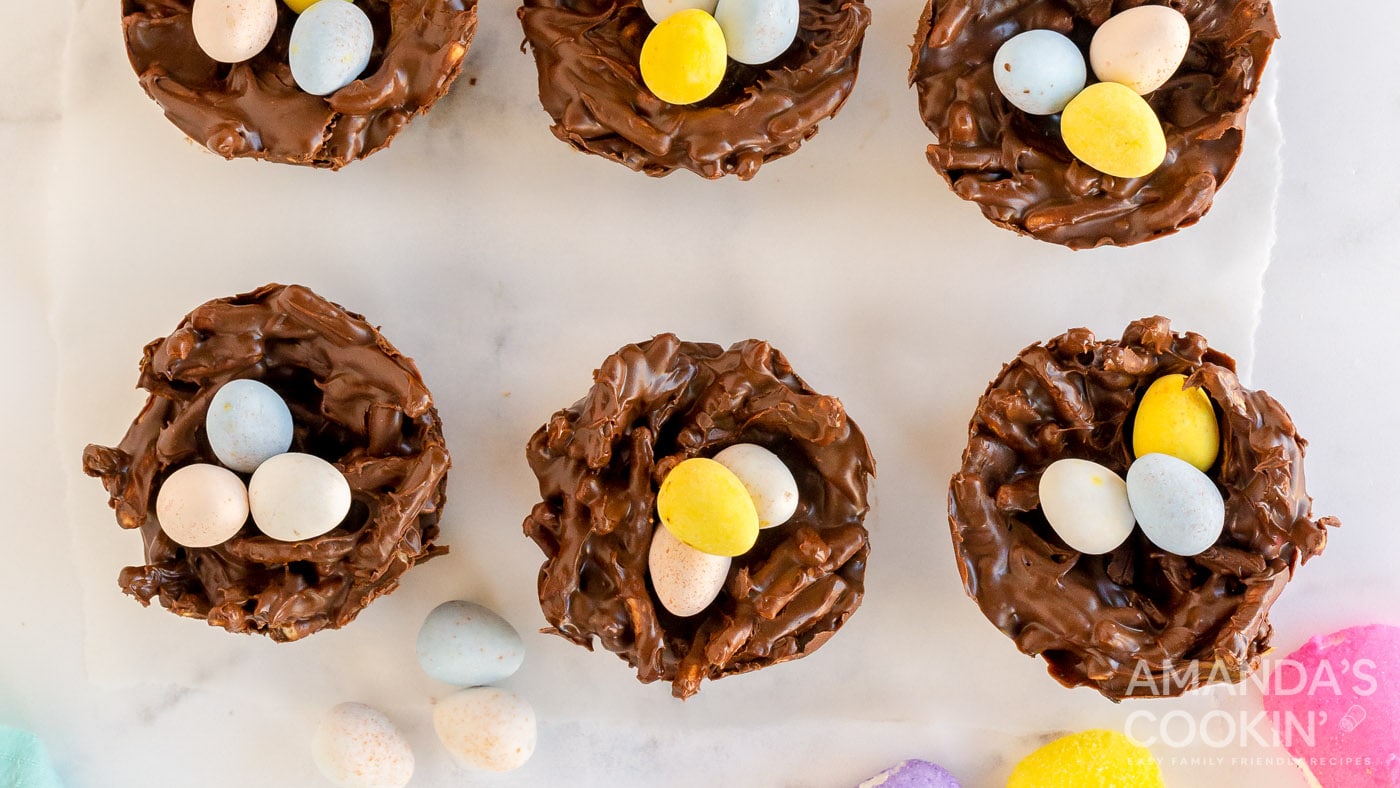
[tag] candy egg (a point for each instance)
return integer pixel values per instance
(1092, 759)
(1172, 419)
(297, 496)
(487, 728)
(913, 774)
(1179, 508)
(330, 46)
(202, 505)
(686, 580)
(1110, 128)
(247, 423)
(1039, 71)
(756, 31)
(658, 10)
(684, 57)
(356, 746)
(301, 5)
(465, 644)
(1141, 47)
(231, 31)
(1086, 504)
(766, 477)
(706, 506)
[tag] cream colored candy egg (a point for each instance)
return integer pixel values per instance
(1141, 47)
(685, 579)
(231, 31)
(202, 505)
(356, 746)
(767, 478)
(297, 496)
(487, 728)
(1086, 504)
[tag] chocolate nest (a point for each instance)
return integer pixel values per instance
(255, 110)
(1016, 167)
(587, 53)
(1137, 621)
(601, 461)
(356, 402)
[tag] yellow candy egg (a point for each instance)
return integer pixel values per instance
(1179, 421)
(1112, 129)
(684, 57)
(301, 5)
(703, 504)
(1092, 759)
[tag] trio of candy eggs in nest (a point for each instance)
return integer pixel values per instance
(330, 45)
(291, 496)
(1107, 125)
(1176, 439)
(685, 56)
(712, 510)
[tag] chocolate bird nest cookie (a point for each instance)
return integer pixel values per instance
(355, 401)
(1137, 620)
(1015, 165)
(254, 109)
(588, 51)
(601, 462)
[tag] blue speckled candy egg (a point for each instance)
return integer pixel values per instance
(1179, 508)
(330, 46)
(465, 644)
(247, 423)
(1039, 71)
(756, 31)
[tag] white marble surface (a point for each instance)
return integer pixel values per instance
(851, 244)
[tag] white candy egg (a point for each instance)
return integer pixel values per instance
(1039, 71)
(766, 477)
(1179, 508)
(487, 728)
(1141, 47)
(756, 31)
(202, 505)
(356, 746)
(330, 46)
(660, 9)
(297, 496)
(247, 423)
(686, 580)
(465, 644)
(231, 31)
(1086, 504)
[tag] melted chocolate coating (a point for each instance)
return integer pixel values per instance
(254, 109)
(1016, 167)
(1099, 619)
(355, 400)
(601, 461)
(588, 51)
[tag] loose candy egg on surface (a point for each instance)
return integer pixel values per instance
(658, 10)
(1172, 419)
(767, 478)
(684, 57)
(1086, 504)
(1110, 128)
(487, 728)
(757, 31)
(231, 31)
(706, 506)
(356, 746)
(913, 774)
(202, 505)
(297, 496)
(1179, 508)
(1091, 759)
(1141, 47)
(465, 644)
(247, 423)
(686, 580)
(1039, 71)
(330, 46)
